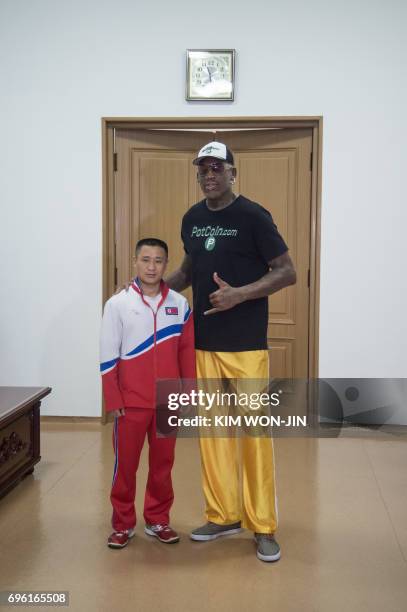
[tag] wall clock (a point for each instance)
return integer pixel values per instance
(210, 74)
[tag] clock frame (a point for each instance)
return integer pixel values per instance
(210, 74)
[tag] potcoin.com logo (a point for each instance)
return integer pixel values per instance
(210, 243)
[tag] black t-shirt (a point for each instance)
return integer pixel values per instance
(236, 242)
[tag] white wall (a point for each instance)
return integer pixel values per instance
(64, 65)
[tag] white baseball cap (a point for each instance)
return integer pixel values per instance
(215, 149)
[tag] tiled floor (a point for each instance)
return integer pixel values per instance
(343, 515)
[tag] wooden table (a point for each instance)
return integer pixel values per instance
(19, 433)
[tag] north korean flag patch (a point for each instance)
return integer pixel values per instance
(171, 310)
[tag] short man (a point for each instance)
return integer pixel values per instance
(234, 259)
(147, 333)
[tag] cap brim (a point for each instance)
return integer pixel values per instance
(199, 159)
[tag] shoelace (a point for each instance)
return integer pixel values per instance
(268, 536)
(161, 528)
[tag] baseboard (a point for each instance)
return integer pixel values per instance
(70, 419)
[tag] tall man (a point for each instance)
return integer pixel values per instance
(234, 259)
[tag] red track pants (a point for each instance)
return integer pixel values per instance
(129, 433)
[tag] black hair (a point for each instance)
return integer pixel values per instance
(152, 242)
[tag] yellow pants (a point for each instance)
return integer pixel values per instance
(256, 505)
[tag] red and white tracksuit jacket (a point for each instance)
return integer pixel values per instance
(139, 346)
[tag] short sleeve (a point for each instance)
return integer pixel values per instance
(269, 241)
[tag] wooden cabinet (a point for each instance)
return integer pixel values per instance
(19, 433)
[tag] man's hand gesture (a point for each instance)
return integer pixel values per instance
(224, 298)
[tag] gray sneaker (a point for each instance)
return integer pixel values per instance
(267, 547)
(211, 531)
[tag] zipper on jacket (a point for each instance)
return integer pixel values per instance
(160, 303)
(155, 369)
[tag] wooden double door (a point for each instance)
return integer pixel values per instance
(155, 184)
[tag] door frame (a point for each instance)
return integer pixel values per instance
(213, 123)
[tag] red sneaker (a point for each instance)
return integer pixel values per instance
(163, 532)
(120, 539)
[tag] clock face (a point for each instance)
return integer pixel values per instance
(210, 74)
